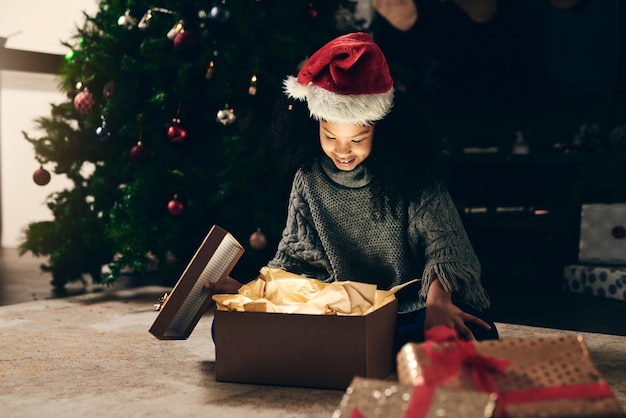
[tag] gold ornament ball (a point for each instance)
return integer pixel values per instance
(257, 240)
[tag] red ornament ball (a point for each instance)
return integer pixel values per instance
(84, 102)
(139, 153)
(184, 41)
(258, 240)
(175, 207)
(41, 176)
(176, 134)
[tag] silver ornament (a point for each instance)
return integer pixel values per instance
(226, 116)
(127, 21)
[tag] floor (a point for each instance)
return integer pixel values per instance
(21, 280)
(92, 355)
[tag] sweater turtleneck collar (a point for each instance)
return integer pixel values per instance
(353, 179)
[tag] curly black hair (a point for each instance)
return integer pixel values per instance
(406, 154)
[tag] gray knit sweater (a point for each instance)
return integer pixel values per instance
(331, 234)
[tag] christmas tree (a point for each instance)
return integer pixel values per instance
(165, 132)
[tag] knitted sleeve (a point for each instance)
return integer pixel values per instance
(436, 227)
(300, 250)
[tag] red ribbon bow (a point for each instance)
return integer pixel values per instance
(451, 357)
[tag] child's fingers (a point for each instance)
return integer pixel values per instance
(477, 320)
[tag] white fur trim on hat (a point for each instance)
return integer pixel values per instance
(354, 109)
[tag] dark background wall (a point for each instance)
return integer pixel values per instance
(558, 77)
(532, 68)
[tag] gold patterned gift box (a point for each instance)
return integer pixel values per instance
(373, 398)
(532, 377)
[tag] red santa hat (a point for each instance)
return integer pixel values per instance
(346, 81)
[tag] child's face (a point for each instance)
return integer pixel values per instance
(347, 145)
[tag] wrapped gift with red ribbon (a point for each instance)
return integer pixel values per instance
(374, 398)
(532, 377)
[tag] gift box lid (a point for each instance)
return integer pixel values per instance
(180, 311)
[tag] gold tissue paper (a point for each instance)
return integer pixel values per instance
(279, 291)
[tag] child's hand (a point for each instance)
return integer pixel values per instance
(225, 285)
(452, 316)
(441, 311)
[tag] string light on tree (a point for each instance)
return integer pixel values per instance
(252, 87)
(211, 66)
(210, 70)
(69, 55)
(183, 39)
(179, 26)
(144, 23)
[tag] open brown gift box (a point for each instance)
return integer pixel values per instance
(323, 351)
(538, 377)
(285, 329)
(343, 330)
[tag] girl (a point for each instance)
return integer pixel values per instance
(365, 203)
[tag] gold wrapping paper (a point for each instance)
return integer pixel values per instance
(536, 363)
(372, 398)
(276, 290)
